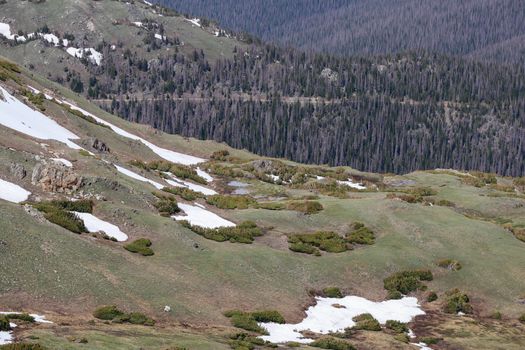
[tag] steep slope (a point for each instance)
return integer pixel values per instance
(470, 28)
(194, 275)
(394, 113)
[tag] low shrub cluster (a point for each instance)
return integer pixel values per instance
(414, 195)
(245, 232)
(360, 234)
(306, 207)
(226, 171)
(332, 344)
(522, 319)
(430, 340)
(179, 170)
(517, 231)
(479, 179)
(457, 301)
(36, 99)
(244, 341)
(311, 243)
(141, 246)
(112, 313)
(432, 296)
(366, 322)
(404, 282)
(58, 212)
(396, 326)
(22, 346)
(166, 204)
(449, 264)
(22, 317)
(332, 292)
(231, 202)
(249, 320)
(328, 188)
(185, 193)
(221, 155)
(4, 324)
(272, 206)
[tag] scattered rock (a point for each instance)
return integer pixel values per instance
(56, 177)
(18, 171)
(167, 308)
(96, 145)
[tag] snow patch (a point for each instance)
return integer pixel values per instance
(167, 154)
(202, 217)
(5, 31)
(194, 21)
(63, 161)
(325, 318)
(16, 115)
(136, 176)
(50, 38)
(94, 224)
(352, 184)
(12, 192)
(93, 55)
(204, 175)
(182, 183)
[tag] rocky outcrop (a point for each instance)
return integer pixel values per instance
(54, 177)
(18, 171)
(96, 145)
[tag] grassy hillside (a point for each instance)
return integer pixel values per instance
(47, 269)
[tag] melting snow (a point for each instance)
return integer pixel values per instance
(93, 55)
(16, 115)
(51, 38)
(6, 337)
(172, 156)
(195, 21)
(12, 193)
(352, 184)
(94, 224)
(138, 177)
(204, 175)
(176, 182)
(324, 317)
(5, 31)
(202, 217)
(63, 161)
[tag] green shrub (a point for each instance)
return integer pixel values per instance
(185, 193)
(332, 292)
(179, 170)
(272, 206)
(396, 326)
(61, 217)
(432, 296)
(245, 232)
(449, 264)
(332, 344)
(140, 246)
(293, 344)
(407, 281)
(167, 206)
(300, 247)
(231, 202)
(22, 317)
(82, 205)
(394, 295)
(241, 341)
(457, 302)
(306, 207)
(112, 313)
(366, 322)
(430, 340)
(22, 346)
(221, 155)
(402, 337)
(522, 319)
(244, 320)
(4, 324)
(36, 99)
(361, 235)
(445, 203)
(268, 316)
(327, 241)
(107, 313)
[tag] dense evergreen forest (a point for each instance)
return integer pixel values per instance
(492, 30)
(394, 113)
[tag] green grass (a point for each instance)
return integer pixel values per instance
(231, 202)
(141, 246)
(112, 313)
(332, 343)
(332, 292)
(245, 232)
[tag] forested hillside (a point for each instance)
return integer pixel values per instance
(392, 113)
(484, 29)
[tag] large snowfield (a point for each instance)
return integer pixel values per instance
(94, 224)
(324, 317)
(17, 116)
(12, 193)
(201, 217)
